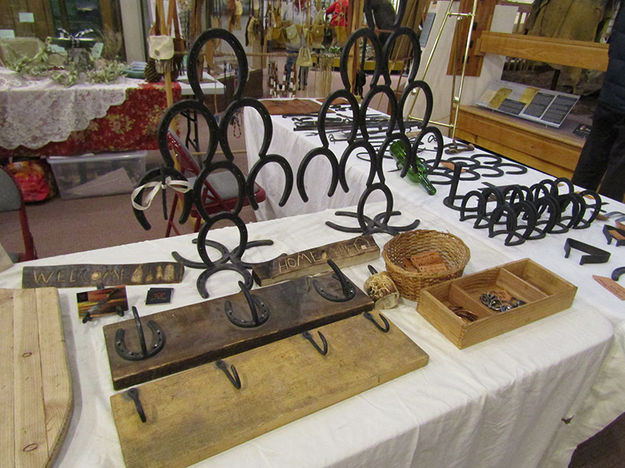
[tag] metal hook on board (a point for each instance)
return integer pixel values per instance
(385, 328)
(347, 288)
(232, 374)
(158, 340)
(258, 310)
(133, 393)
(323, 349)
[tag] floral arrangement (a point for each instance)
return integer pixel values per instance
(68, 69)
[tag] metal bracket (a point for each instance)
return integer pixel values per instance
(595, 255)
(608, 233)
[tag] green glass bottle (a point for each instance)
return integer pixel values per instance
(420, 175)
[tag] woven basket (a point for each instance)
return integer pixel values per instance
(454, 252)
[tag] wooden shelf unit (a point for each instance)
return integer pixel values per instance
(543, 148)
(532, 144)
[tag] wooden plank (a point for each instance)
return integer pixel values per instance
(72, 276)
(313, 261)
(31, 443)
(290, 106)
(202, 332)
(281, 382)
(57, 384)
(582, 54)
(35, 385)
(7, 380)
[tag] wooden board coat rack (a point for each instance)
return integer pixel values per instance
(198, 413)
(203, 332)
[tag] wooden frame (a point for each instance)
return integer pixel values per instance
(582, 54)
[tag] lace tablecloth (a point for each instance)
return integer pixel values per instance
(36, 112)
(45, 119)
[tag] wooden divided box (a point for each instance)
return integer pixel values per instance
(456, 310)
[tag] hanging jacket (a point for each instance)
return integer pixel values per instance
(612, 92)
(338, 10)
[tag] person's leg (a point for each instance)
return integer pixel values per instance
(613, 184)
(290, 61)
(593, 159)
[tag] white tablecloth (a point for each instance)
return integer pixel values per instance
(497, 403)
(607, 400)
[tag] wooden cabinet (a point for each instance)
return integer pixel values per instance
(543, 148)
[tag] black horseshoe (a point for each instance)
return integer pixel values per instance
(566, 182)
(304, 164)
(596, 208)
(158, 174)
(321, 119)
(380, 67)
(550, 205)
(477, 212)
(438, 136)
(429, 103)
(188, 105)
(411, 157)
(199, 187)
(258, 165)
(368, 147)
(201, 238)
(158, 340)
(363, 201)
(259, 312)
(364, 106)
(416, 49)
(200, 284)
(616, 274)
(196, 49)
(510, 225)
(347, 287)
(227, 117)
(530, 214)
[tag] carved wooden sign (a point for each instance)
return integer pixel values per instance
(72, 276)
(313, 261)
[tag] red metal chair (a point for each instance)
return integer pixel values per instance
(11, 199)
(219, 193)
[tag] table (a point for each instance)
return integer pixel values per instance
(606, 401)
(497, 403)
(42, 118)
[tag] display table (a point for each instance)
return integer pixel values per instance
(607, 401)
(497, 403)
(43, 118)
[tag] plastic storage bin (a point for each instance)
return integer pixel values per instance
(93, 175)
